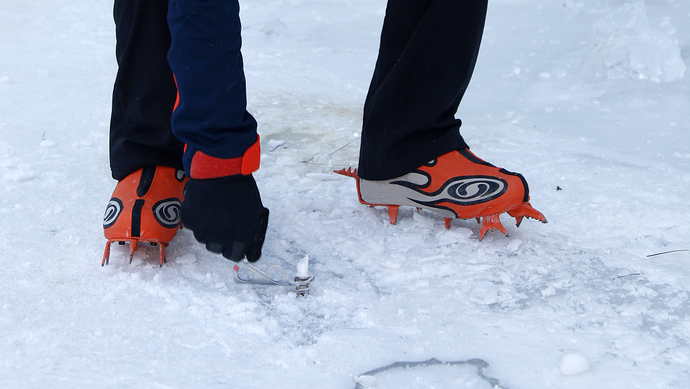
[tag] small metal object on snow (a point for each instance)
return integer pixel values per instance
(367, 379)
(302, 288)
(247, 273)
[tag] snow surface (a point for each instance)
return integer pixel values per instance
(587, 98)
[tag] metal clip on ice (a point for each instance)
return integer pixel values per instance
(247, 273)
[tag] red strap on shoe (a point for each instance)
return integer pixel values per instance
(205, 166)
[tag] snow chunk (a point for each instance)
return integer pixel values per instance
(548, 291)
(47, 143)
(20, 175)
(186, 259)
(514, 245)
(56, 210)
(274, 144)
(366, 381)
(459, 234)
(574, 362)
(303, 267)
(627, 47)
(275, 27)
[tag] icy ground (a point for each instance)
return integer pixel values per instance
(588, 99)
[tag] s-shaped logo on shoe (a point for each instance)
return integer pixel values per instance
(167, 212)
(464, 190)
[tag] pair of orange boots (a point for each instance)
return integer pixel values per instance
(145, 206)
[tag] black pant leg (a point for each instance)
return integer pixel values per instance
(426, 59)
(144, 92)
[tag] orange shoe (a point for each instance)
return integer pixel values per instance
(457, 185)
(145, 207)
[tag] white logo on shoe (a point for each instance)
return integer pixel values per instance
(167, 212)
(466, 190)
(112, 211)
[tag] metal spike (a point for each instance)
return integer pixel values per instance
(526, 210)
(393, 213)
(106, 254)
(133, 246)
(518, 220)
(489, 224)
(349, 172)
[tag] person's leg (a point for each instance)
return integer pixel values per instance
(222, 202)
(412, 153)
(144, 91)
(211, 114)
(426, 58)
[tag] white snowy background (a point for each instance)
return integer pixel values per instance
(589, 99)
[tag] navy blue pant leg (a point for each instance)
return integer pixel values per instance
(426, 58)
(205, 58)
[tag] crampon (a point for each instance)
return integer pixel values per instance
(247, 273)
(144, 208)
(456, 185)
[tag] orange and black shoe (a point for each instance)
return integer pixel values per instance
(145, 208)
(456, 185)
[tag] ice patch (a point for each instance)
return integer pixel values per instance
(626, 46)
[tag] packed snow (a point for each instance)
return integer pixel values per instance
(589, 99)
